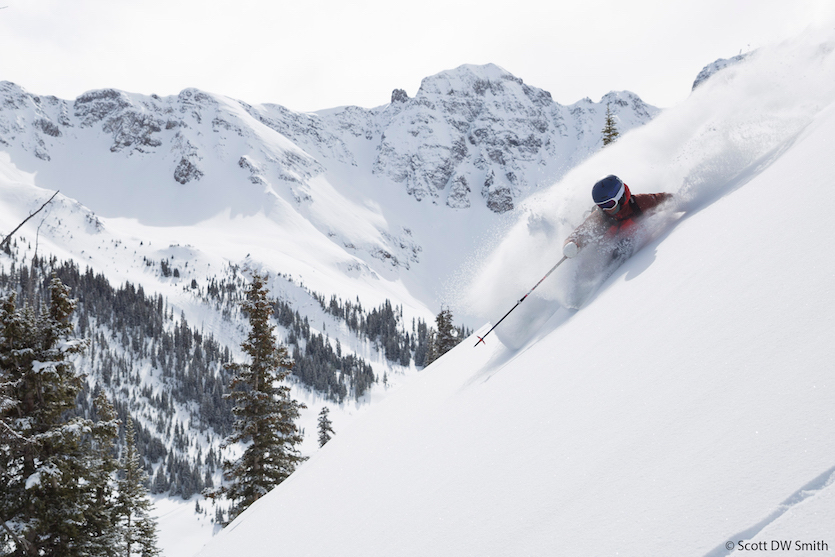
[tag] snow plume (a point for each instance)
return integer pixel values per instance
(729, 130)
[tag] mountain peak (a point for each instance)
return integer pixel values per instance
(479, 131)
(716, 66)
(467, 79)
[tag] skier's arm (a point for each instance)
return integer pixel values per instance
(649, 201)
(583, 234)
(668, 198)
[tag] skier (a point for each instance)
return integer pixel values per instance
(613, 220)
(616, 214)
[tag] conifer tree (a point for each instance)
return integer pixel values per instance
(325, 427)
(138, 527)
(102, 534)
(48, 465)
(610, 130)
(447, 337)
(444, 338)
(264, 411)
(431, 346)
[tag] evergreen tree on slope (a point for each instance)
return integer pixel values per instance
(139, 531)
(265, 413)
(48, 468)
(444, 339)
(325, 427)
(610, 130)
(102, 534)
(447, 337)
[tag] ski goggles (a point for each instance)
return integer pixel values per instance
(612, 202)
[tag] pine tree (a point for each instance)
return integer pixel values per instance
(138, 527)
(610, 130)
(444, 339)
(101, 529)
(15, 440)
(325, 427)
(448, 336)
(49, 466)
(431, 346)
(264, 411)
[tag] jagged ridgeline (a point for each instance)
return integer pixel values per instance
(171, 377)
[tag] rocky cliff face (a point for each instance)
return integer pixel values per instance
(473, 135)
(477, 134)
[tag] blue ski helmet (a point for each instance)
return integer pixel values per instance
(609, 191)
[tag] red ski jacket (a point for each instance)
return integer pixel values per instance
(600, 226)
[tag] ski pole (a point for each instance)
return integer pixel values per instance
(481, 339)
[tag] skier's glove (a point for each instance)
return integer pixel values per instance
(570, 250)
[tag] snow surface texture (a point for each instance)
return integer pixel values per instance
(690, 403)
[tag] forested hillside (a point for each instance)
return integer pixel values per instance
(170, 376)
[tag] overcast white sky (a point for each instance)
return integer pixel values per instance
(315, 54)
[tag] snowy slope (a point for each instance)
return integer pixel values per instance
(689, 404)
(119, 248)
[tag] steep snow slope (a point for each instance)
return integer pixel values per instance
(688, 406)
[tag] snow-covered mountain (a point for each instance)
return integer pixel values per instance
(371, 182)
(363, 219)
(714, 67)
(688, 408)
(478, 131)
